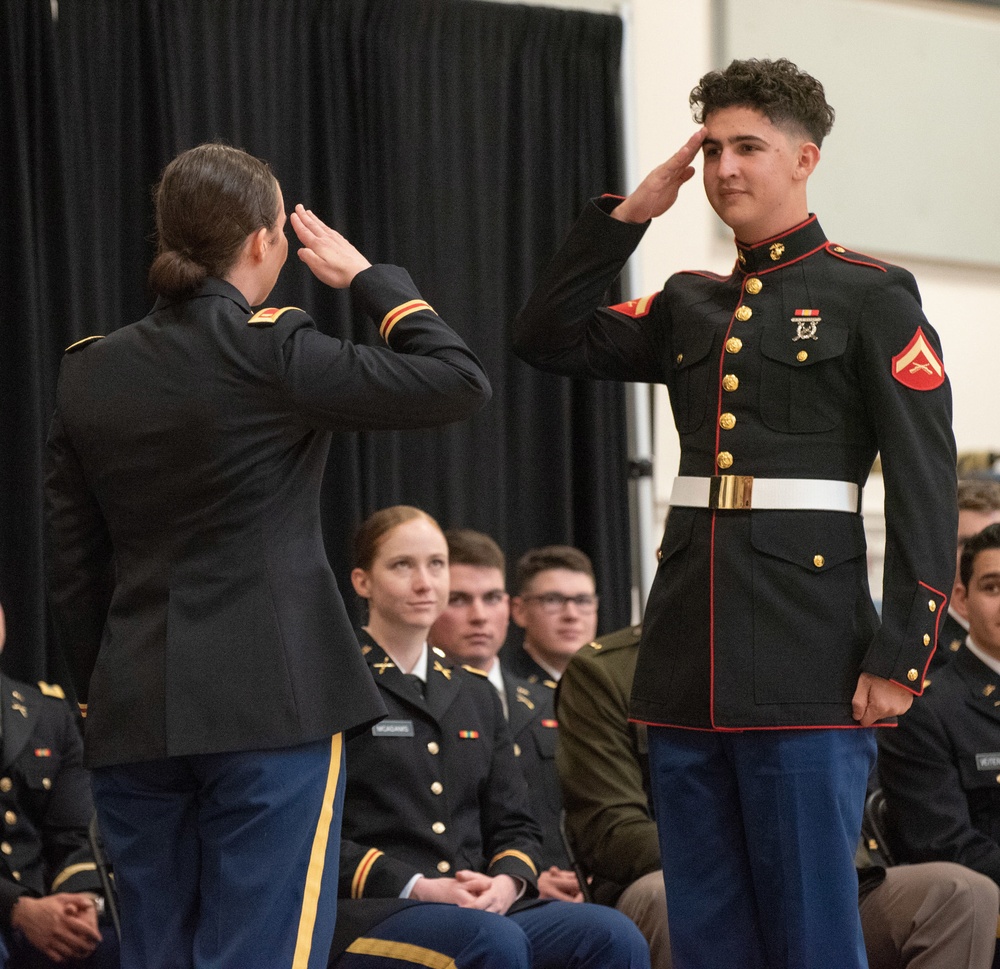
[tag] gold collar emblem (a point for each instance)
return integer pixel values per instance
(438, 668)
(777, 250)
(383, 666)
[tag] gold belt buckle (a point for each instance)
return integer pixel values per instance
(730, 492)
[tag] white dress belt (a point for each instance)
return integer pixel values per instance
(737, 492)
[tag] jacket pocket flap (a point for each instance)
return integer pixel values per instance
(677, 536)
(814, 540)
(779, 344)
(692, 345)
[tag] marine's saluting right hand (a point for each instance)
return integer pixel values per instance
(330, 257)
(658, 190)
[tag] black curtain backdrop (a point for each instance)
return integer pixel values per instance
(456, 138)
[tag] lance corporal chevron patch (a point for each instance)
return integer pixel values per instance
(917, 366)
(635, 307)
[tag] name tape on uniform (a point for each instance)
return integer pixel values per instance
(393, 728)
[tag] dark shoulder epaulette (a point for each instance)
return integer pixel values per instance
(269, 316)
(474, 669)
(619, 639)
(51, 689)
(85, 342)
(857, 258)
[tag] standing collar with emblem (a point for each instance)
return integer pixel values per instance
(780, 250)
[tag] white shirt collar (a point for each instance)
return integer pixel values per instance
(495, 676)
(420, 667)
(964, 623)
(555, 674)
(993, 664)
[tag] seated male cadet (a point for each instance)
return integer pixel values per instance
(556, 606)
(932, 916)
(49, 887)
(978, 506)
(471, 631)
(940, 768)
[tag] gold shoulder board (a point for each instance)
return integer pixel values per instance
(269, 316)
(51, 689)
(80, 344)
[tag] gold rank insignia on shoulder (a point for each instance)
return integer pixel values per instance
(269, 316)
(473, 669)
(52, 689)
(80, 344)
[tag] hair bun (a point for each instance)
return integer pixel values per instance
(174, 274)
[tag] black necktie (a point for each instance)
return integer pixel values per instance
(415, 682)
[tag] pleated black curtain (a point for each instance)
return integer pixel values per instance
(456, 138)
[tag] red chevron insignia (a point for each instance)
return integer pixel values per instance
(917, 366)
(635, 307)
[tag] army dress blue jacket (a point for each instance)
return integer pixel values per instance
(44, 798)
(188, 579)
(432, 789)
(940, 770)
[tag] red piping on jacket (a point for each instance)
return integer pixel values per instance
(941, 609)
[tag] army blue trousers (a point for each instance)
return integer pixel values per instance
(553, 935)
(226, 861)
(758, 832)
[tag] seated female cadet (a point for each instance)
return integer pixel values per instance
(436, 808)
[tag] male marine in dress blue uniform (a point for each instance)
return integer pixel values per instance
(786, 377)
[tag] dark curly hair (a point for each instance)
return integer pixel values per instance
(786, 96)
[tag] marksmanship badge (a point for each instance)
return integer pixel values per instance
(807, 321)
